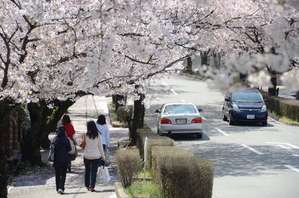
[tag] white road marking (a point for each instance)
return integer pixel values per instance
(164, 83)
(252, 149)
(296, 155)
(284, 143)
(173, 92)
(203, 118)
(296, 147)
(292, 168)
(220, 131)
(282, 146)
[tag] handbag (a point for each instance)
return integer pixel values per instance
(83, 142)
(51, 153)
(107, 158)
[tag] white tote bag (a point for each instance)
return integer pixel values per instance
(104, 174)
(73, 151)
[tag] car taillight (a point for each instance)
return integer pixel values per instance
(197, 120)
(165, 121)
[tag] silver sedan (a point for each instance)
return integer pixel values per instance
(179, 118)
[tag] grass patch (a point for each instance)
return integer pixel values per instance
(141, 188)
(283, 118)
(147, 174)
(288, 119)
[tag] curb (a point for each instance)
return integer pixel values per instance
(282, 121)
(119, 190)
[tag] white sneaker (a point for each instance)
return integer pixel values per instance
(60, 191)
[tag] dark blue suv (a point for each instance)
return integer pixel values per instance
(246, 105)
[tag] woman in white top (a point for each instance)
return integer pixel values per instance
(105, 133)
(92, 154)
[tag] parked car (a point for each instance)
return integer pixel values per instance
(179, 118)
(246, 105)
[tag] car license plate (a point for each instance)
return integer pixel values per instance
(250, 117)
(181, 121)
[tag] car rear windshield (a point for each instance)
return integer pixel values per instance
(247, 97)
(177, 109)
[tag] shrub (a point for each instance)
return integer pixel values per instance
(123, 112)
(160, 153)
(153, 140)
(283, 107)
(190, 177)
(128, 165)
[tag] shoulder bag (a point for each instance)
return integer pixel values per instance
(51, 153)
(83, 142)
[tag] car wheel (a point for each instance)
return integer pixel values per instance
(264, 123)
(230, 121)
(158, 131)
(199, 135)
(224, 118)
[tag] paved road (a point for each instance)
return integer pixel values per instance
(250, 160)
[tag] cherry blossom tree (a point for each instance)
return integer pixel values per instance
(256, 38)
(55, 51)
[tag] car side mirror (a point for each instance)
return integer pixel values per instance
(158, 111)
(200, 110)
(266, 100)
(227, 99)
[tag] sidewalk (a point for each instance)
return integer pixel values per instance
(41, 183)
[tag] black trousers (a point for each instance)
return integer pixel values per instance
(60, 176)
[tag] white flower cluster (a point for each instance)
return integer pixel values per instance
(55, 49)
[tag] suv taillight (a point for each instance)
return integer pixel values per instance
(165, 121)
(196, 120)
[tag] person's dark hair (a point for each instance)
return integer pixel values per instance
(101, 120)
(92, 130)
(61, 131)
(66, 119)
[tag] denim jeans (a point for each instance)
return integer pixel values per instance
(91, 169)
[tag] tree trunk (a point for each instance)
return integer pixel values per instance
(3, 174)
(272, 91)
(189, 65)
(138, 119)
(4, 111)
(43, 121)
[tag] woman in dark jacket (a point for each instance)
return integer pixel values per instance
(61, 158)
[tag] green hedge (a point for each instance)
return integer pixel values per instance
(179, 173)
(160, 153)
(282, 107)
(153, 140)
